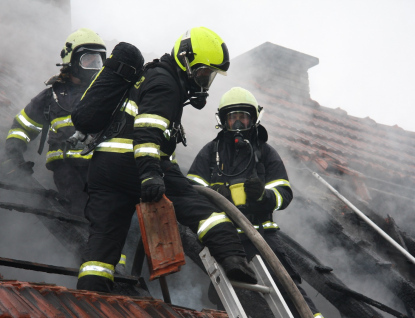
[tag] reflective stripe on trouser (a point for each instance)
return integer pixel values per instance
(19, 134)
(97, 269)
(210, 222)
(123, 259)
(191, 208)
(70, 154)
(266, 226)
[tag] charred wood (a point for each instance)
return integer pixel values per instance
(318, 275)
(367, 300)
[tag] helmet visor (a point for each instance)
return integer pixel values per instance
(91, 61)
(204, 76)
(238, 120)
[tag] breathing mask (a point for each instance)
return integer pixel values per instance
(86, 63)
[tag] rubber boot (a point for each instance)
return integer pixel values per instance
(237, 268)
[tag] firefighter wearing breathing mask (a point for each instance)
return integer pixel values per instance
(244, 168)
(49, 115)
(139, 163)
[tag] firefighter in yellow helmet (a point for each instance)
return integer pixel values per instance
(244, 168)
(139, 161)
(49, 114)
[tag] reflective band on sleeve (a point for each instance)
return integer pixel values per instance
(120, 145)
(19, 134)
(28, 123)
(214, 219)
(123, 259)
(73, 154)
(97, 269)
(148, 120)
(198, 179)
(60, 122)
(276, 183)
(278, 199)
(130, 108)
(147, 149)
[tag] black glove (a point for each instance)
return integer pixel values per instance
(152, 188)
(222, 189)
(254, 188)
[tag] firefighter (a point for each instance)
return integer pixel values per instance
(240, 165)
(49, 114)
(140, 161)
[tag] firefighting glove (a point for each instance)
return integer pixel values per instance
(152, 188)
(254, 189)
(222, 189)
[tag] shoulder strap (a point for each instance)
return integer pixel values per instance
(46, 120)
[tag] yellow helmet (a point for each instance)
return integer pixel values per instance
(201, 53)
(80, 38)
(238, 100)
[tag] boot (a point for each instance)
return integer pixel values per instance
(237, 268)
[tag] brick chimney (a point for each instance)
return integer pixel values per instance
(275, 69)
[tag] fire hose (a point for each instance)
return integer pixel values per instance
(262, 246)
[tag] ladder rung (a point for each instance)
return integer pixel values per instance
(254, 287)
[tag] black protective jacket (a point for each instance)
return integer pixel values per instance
(153, 114)
(56, 103)
(268, 167)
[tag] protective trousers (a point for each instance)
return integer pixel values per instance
(114, 190)
(70, 182)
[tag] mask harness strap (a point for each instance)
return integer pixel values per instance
(252, 154)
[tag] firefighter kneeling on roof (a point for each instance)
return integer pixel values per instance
(139, 161)
(244, 168)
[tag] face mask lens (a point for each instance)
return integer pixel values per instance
(204, 76)
(238, 120)
(91, 61)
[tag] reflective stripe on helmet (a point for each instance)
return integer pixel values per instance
(97, 269)
(198, 179)
(123, 259)
(72, 154)
(318, 315)
(130, 108)
(121, 145)
(214, 219)
(147, 149)
(28, 123)
(148, 120)
(19, 134)
(60, 122)
(266, 226)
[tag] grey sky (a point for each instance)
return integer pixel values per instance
(366, 47)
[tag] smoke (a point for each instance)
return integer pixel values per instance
(33, 34)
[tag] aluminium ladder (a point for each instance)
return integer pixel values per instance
(224, 287)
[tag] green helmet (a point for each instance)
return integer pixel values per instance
(81, 38)
(202, 54)
(238, 100)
